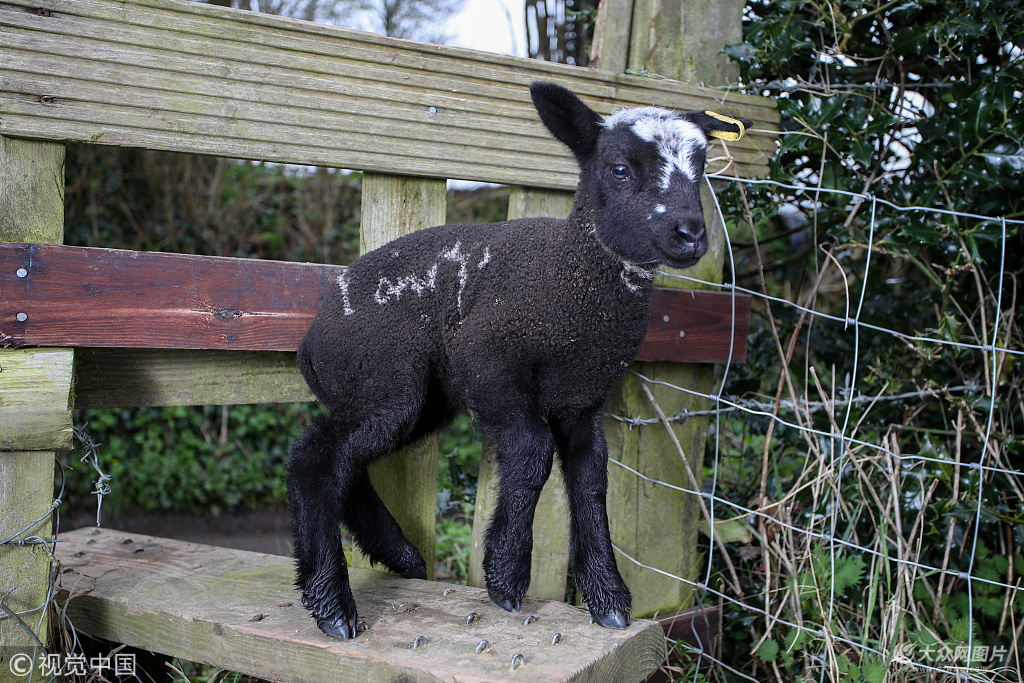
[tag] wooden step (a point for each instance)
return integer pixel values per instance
(239, 611)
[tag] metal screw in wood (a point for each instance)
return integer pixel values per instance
(416, 643)
(473, 616)
(529, 619)
(515, 657)
(556, 639)
(481, 646)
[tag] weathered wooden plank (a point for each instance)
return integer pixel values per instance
(550, 523)
(31, 190)
(35, 399)
(684, 40)
(126, 378)
(26, 492)
(610, 48)
(110, 298)
(190, 77)
(405, 480)
(239, 611)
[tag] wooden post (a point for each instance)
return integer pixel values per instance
(406, 480)
(683, 40)
(551, 521)
(35, 400)
(654, 524)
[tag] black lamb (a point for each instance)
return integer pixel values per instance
(528, 323)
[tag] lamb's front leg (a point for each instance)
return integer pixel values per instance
(584, 457)
(524, 450)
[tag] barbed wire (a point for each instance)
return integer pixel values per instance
(737, 403)
(90, 454)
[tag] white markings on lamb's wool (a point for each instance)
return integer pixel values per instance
(630, 271)
(389, 290)
(676, 139)
(660, 208)
(455, 255)
(343, 286)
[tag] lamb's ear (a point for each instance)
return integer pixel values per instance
(719, 126)
(573, 123)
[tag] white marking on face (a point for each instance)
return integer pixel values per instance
(627, 117)
(677, 143)
(343, 286)
(630, 271)
(675, 139)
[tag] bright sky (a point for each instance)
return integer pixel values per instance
(490, 25)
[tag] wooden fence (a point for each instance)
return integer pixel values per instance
(96, 327)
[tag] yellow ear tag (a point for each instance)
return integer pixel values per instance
(726, 134)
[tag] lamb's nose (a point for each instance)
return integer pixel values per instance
(691, 228)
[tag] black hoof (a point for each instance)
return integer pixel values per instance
(505, 603)
(340, 628)
(611, 620)
(415, 573)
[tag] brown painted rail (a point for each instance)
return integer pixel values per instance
(52, 295)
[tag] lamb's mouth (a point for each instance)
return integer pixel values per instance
(682, 259)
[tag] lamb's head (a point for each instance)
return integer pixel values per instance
(640, 173)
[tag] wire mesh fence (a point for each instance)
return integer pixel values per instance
(872, 544)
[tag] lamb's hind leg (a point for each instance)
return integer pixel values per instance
(326, 473)
(321, 573)
(377, 533)
(373, 528)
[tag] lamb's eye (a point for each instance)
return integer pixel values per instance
(620, 171)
